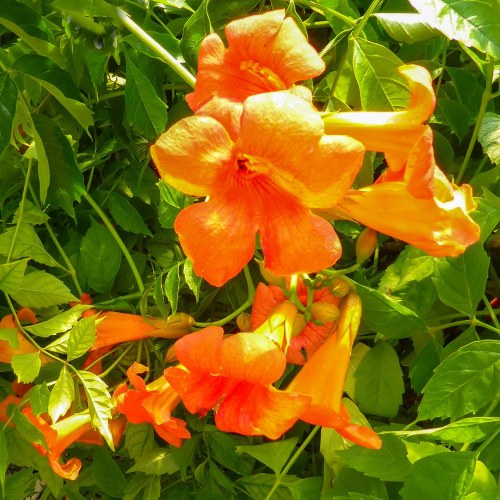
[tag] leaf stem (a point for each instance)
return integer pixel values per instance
(118, 240)
(485, 98)
(186, 75)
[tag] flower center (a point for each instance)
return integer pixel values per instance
(266, 75)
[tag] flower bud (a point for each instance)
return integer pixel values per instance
(170, 356)
(340, 287)
(299, 324)
(366, 244)
(176, 326)
(244, 322)
(271, 278)
(281, 313)
(324, 311)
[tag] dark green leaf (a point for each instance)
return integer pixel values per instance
(126, 216)
(171, 203)
(31, 214)
(139, 440)
(172, 287)
(423, 365)
(4, 459)
(26, 429)
(453, 114)
(108, 476)
(8, 102)
(157, 461)
(62, 395)
(11, 275)
(464, 382)
(26, 366)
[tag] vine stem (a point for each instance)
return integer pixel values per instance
(118, 240)
(485, 98)
(294, 458)
(168, 58)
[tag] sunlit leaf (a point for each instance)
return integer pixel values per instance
(58, 324)
(489, 136)
(406, 27)
(11, 275)
(82, 337)
(61, 395)
(26, 366)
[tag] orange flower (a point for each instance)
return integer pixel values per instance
(280, 165)
(392, 132)
(311, 336)
(60, 436)
(11, 399)
(233, 376)
(267, 52)
(323, 376)
(431, 214)
(151, 403)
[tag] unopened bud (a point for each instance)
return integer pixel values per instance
(299, 324)
(281, 313)
(176, 326)
(170, 356)
(340, 287)
(271, 278)
(244, 322)
(366, 244)
(324, 311)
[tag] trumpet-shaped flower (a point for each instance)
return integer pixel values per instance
(323, 376)
(311, 335)
(391, 132)
(431, 214)
(233, 376)
(266, 180)
(152, 403)
(266, 52)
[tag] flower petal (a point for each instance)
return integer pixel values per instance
(192, 153)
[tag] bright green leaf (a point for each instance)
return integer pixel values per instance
(489, 136)
(39, 398)
(81, 337)
(126, 216)
(8, 103)
(406, 27)
(10, 336)
(193, 281)
(62, 395)
(423, 365)
(58, 324)
(464, 382)
(157, 461)
(172, 287)
(11, 275)
(26, 366)
(26, 429)
(31, 214)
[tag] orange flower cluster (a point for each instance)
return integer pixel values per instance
(269, 163)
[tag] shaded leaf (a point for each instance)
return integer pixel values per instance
(4, 459)
(157, 461)
(8, 103)
(107, 475)
(172, 287)
(126, 216)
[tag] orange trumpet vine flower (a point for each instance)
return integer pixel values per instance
(152, 403)
(311, 334)
(391, 132)
(323, 376)
(280, 166)
(266, 52)
(233, 376)
(429, 213)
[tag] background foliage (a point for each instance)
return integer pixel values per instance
(81, 210)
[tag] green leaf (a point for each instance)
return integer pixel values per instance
(464, 382)
(172, 287)
(157, 461)
(100, 403)
(382, 88)
(101, 257)
(453, 114)
(41, 289)
(8, 103)
(4, 459)
(444, 475)
(126, 216)
(11, 275)
(139, 440)
(10, 335)
(461, 281)
(390, 463)
(39, 398)
(26, 366)
(31, 214)
(423, 364)
(26, 429)
(57, 82)
(171, 203)
(61, 396)
(274, 455)
(81, 337)
(107, 475)
(193, 281)
(379, 382)
(406, 27)
(58, 324)
(489, 136)
(487, 213)
(146, 112)
(475, 23)
(483, 485)
(259, 486)
(224, 450)
(66, 179)
(388, 316)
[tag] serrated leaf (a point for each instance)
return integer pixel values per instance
(41, 289)
(157, 461)
(31, 214)
(100, 403)
(61, 396)
(66, 179)
(453, 114)
(145, 110)
(475, 23)
(489, 136)
(126, 216)
(382, 88)
(464, 382)
(139, 440)
(460, 281)
(101, 257)
(57, 82)
(274, 455)
(379, 382)
(81, 337)
(26, 429)
(390, 463)
(8, 103)
(26, 366)
(39, 398)
(444, 475)
(58, 324)
(26, 244)
(259, 485)
(193, 281)
(172, 287)
(406, 27)
(11, 275)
